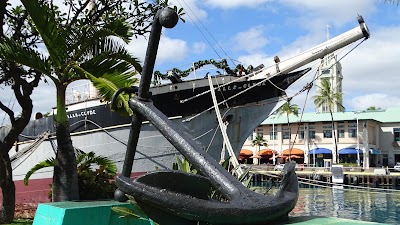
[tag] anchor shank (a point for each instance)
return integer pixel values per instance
(150, 59)
(221, 179)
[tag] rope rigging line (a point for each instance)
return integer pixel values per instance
(342, 57)
(279, 73)
(226, 141)
(208, 41)
(125, 143)
(205, 28)
(29, 149)
(219, 89)
(31, 146)
(310, 85)
(308, 88)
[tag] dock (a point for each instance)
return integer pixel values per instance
(374, 177)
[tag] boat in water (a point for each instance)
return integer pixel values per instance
(244, 101)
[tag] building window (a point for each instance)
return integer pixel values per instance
(396, 132)
(273, 135)
(260, 132)
(301, 134)
(327, 133)
(286, 135)
(326, 71)
(311, 134)
(250, 138)
(341, 133)
(352, 133)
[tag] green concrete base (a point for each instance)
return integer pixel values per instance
(100, 213)
(82, 213)
(327, 221)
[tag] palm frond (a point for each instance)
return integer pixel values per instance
(108, 84)
(13, 51)
(50, 31)
(44, 164)
(107, 56)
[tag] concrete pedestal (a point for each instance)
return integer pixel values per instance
(82, 213)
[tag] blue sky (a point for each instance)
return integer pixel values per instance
(254, 31)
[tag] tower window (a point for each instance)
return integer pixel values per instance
(326, 71)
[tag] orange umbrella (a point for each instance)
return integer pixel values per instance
(295, 151)
(265, 152)
(256, 156)
(245, 152)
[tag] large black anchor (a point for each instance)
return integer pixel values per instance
(173, 197)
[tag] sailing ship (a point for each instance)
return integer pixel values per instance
(245, 101)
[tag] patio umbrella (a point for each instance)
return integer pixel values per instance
(265, 152)
(374, 151)
(295, 151)
(245, 152)
(320, 151)
(350, 151)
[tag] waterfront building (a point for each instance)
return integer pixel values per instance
(375, 133)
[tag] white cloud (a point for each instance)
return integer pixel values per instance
(370, 71)
(316, 13)
(169, 50)
(374, 66)
(199, 47)
(228, 4)
(379, 100)
(255, 59)
(251, 40)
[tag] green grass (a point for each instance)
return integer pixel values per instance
(21, 222)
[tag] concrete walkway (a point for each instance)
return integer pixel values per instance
(326, 221)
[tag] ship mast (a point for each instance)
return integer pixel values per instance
(327, 47)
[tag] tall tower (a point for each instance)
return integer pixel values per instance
(331, 70)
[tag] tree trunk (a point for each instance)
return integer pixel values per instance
(334, 138)
(290, 137)
(8, 190)
(65, 178)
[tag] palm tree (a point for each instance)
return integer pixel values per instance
(74, 52)
(328, 98)
(289, 109)
(259, 141)
(373, 108)
(93, 174)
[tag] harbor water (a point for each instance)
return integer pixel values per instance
(355, 204)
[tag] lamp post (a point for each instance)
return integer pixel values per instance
(273, 140)
(358, 143)
(313, 142)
